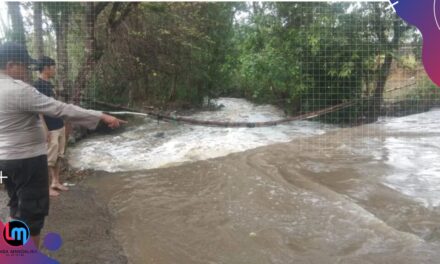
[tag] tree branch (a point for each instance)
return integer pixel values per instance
(98, 8)
(115, 22)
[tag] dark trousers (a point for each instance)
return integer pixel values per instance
(28, 189)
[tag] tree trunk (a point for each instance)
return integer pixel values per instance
(38, 28)
(381, 80)
(60, 16)
(61, 32)
(384, 71)
(91, 14)
(17, 23)
(89, 52)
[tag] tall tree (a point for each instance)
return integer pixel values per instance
(38, 28)
(59, 14)
(18, 33)
(389, 32)
(92, 11)
(167, 54)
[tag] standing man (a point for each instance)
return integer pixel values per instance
(53, 126)
(23, 151)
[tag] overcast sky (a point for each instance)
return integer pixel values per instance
(3, 17)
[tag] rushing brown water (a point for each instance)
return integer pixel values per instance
(369, 194)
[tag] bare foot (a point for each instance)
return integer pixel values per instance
(59, 187)
(52, 192)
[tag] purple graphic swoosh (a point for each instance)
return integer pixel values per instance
(26, 254)
(425, 15)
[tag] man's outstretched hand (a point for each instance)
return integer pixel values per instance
(111, 121)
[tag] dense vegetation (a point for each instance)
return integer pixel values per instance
(300, 56)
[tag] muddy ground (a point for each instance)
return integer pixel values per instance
(84, 225)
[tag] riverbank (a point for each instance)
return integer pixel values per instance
(83, 223)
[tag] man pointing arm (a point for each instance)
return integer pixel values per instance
(23, 151)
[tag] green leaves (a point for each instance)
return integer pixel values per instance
(302, 56)
(308, 55)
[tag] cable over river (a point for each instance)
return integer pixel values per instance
(302, 192)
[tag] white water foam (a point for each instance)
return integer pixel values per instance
(143, 148)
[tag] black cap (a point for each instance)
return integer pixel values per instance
(43, 62)
(14, 52)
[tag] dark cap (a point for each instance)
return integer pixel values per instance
(14, 52)
(45, 61)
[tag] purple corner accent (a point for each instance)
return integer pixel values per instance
(425, 15)
(31, 255)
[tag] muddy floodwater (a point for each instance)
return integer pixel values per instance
(303, 192)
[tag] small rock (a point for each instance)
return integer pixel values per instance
(159, 135)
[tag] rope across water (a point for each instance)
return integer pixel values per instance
(168, 117)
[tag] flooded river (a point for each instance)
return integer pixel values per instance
(153, 145)
(303, 192)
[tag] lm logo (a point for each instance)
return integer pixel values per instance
(16, 233)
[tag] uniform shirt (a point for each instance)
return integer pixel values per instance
(47, 88)
(21, 131)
